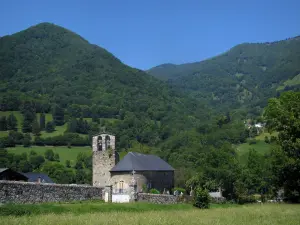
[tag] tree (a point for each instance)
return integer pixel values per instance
(72, 125)
(36, 161)
(283, 115)
(201, 198)
(49, 154)
(27, 140)
(58, 115)
(3, 123)
(12, 122)
(68, 163)
(36, 128)
(42, 121)
(56, 157)
(50, 127)
(27, 126)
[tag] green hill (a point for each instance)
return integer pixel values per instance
(243, 77)
(47, 68)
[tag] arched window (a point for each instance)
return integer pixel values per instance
(107, 142)
(99, 143)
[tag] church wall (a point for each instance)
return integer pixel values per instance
(126, 177)
(159, 180)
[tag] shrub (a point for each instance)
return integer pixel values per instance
(145, 188)
(179, 189)
(267, 140)
(201, 198)
(154, 191)
(252, 142)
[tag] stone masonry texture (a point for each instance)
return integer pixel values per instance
(27, 192)
(157, 198)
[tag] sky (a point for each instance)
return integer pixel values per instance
(147, 33)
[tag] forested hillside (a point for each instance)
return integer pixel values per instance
(48, 72)
(49, 68)
(242, 78)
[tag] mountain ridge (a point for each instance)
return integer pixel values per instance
(250, 71)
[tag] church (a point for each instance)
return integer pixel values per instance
(149, 171)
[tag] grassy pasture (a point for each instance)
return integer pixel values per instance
(141, 213)
(64, 152)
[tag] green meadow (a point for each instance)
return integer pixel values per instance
(64, 152)
(145, 213)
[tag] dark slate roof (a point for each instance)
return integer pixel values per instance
(33, 177)
(3, 169)
(141, 162)
(13, 174)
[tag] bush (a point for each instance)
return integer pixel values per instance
(179, 189)
(267, 140)
(201, 198)
(252, 142)
(145, 188)
(154, 191)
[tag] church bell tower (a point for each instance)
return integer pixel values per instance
(104, 158)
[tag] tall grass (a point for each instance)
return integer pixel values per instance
(84, 207)
(245, 215)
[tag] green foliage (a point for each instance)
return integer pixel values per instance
(42, 121)
(27, 140)
(49, 155)
(179, 189)
(58, 115)
(12, 122)
(36, 128)
(154, 191)
(201, 198)
(3, 123)
(145, 188)
(283, 115)
(50, 127)
(68, 163)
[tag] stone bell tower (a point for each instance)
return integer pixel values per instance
(104, 158)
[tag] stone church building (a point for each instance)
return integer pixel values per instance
(148, 170)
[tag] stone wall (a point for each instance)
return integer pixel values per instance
(27, 192)
(157, 198)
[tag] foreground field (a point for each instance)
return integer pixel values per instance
(122, 214)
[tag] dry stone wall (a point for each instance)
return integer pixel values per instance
(158, 198)
(27, 192)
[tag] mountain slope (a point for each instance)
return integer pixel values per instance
(247, 74)
(48, 64)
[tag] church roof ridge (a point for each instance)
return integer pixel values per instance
(141, 162)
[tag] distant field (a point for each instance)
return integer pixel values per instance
(290, 82)
(136, 213)
(64, 152)
(59, 130)
(261, 146)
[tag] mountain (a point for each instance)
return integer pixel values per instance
(245, 76)
(49, 65)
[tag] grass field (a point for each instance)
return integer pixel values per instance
(99, 213)
(261, 146)
(59, 130)
(64, 152)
